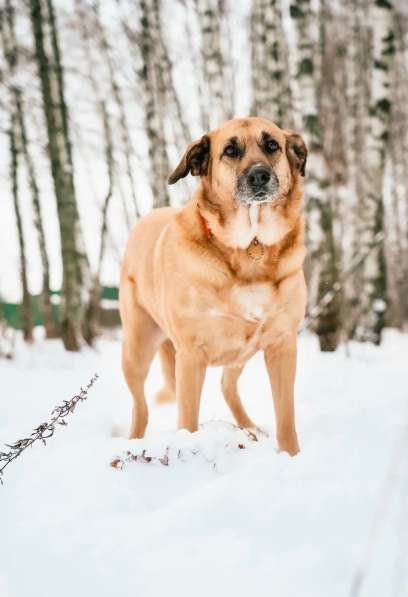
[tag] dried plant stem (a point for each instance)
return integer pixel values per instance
(45, 430)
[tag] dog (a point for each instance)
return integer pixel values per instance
(215, 281)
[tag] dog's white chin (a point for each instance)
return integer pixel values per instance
(257, 200)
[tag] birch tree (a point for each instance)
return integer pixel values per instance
(27, 323)
(374, 296)
(320, 217)
(94, 304)
(357, 97)
(11, 55)
(126, 140)
(271, 93)
(214, 86)
(93, 307)
(396, 221)
(74, 261)
(170, 96)
(152, 83)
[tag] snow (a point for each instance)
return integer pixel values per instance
(218, 520)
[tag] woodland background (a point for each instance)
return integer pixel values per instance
(98, 100)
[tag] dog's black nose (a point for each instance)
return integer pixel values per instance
(258, 176)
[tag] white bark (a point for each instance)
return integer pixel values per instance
(320, 218)
(271, 93)
(214, 86)
(373, 299)
(153, 85)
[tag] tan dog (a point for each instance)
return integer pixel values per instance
(216, 281)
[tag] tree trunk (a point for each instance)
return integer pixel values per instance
(213, 65)
(271, 93)
(374, 296)
(117, 94)
(92, 70)
(26, 303)
(75, 267)
(202, 101)
(46, 305)
(84, 25)
(165, 67)
(357, 96)
(151, 79)
(94, 306)
(320, 215)
(11, 55)
(397, 220)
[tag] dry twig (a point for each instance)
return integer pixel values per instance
(45, 430)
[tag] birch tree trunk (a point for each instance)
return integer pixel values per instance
(358, 97)
(374, 295)
(123, 118)
(152, 83)
(319, 211)
(11, 55)
(202, 101)
(165, 67)
(212, 61)
(46, 304)
(271, 93)
(75, 267)
(26, 302)
(94, 305)
(397, 264)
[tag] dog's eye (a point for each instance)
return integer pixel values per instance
(232, 151)
(271, 146)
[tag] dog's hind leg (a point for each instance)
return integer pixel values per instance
(168, 364)
(141, 339)
(229, 384)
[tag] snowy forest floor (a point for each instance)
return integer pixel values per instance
(223, 521)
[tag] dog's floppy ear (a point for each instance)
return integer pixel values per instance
(296, 151)
(195, 160)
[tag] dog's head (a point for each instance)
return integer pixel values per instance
(245, 161)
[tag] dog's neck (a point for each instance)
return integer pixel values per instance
(262, 262)
(240, 225)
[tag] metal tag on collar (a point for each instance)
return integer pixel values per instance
(255, 250)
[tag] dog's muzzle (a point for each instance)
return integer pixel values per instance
(258, 183)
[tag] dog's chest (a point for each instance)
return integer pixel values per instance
(251, 301)
(244, 322)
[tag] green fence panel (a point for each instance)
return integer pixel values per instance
(11, 312)
(110, 293)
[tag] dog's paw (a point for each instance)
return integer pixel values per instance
(289, 443)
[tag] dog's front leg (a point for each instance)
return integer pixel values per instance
(281, 365)
(190, 373)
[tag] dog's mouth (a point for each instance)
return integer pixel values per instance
(260, 197)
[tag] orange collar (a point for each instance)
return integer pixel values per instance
(206, 226)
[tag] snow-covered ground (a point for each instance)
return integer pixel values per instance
(222, 521)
